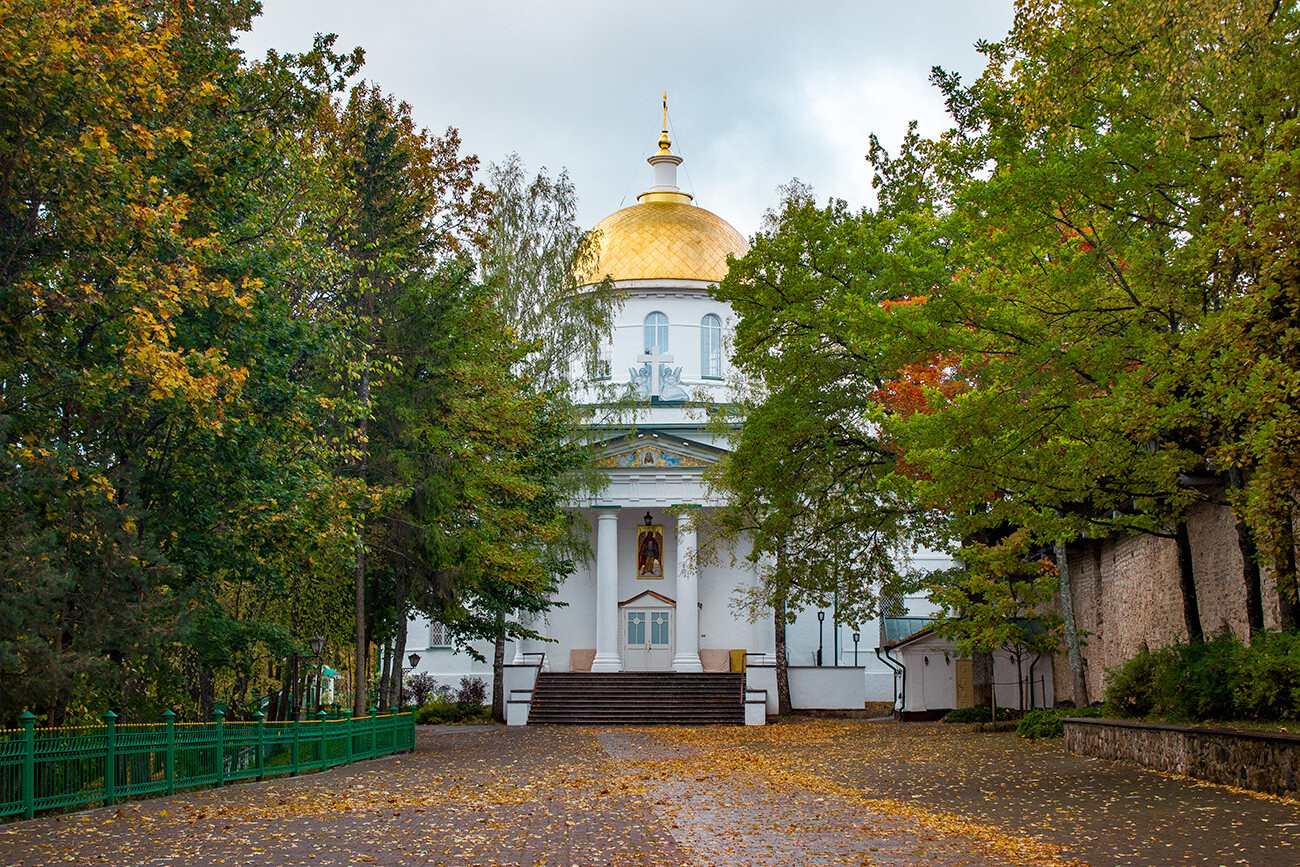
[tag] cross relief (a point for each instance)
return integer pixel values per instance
(654, 378)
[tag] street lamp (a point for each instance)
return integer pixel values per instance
(414, 659)
(856, 636)
(821, 627)
(317, 644)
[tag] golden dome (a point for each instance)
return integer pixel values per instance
(664, 237)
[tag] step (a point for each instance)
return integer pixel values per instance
(638, 698)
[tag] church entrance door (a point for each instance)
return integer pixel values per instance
(647, 639)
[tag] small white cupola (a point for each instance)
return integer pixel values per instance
(664, 184)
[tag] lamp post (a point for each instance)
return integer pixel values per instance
(856, 636)
(317, 644)
(821, 633)
(414, 659)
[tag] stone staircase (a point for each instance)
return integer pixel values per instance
(637, 698)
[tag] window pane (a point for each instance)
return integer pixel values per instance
(656, 333)
(711, 346)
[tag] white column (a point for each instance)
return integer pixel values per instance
(687, 657)
(519, 659)
(607, 658)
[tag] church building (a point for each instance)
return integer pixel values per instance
(645, 601)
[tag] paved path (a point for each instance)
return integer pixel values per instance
(793, 794)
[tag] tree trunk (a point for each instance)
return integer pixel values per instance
(783, 705)
(981, 665)
(399, 647)
(1073, 650)
(1187, 583)
(1249, 565)
(499, 670)
(1287, 596)
(385, 677)
(363, 466)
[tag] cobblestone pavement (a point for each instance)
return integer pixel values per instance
(811, 793)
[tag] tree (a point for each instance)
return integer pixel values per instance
(1097, 173)
(409, 200)
(809, 479)
(537, 260)
(139, 345)
(998, 601)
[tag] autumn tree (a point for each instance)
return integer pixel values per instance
(143, 366)
(809, 478)
(1097, 170)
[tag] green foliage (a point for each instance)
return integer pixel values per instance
(1132, 687)
(1046, 722)
(981, 714)
(809, 479)
(463, 706)
(1221, 679)
(998, 600)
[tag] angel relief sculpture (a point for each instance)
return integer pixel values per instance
(640, 381)
(670, 384)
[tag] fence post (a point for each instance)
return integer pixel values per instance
(347, 724)
(110, 758)
(169, 755)
(293, 754)
(320, 726)
(28, 719)
(261, 741)
(220, 716)
(374, 724)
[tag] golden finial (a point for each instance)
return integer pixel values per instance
(664, 141)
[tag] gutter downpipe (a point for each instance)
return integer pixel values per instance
(900, 669)
(1037, 657)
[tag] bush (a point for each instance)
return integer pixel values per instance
(1046, 722)
(1221, 679)
(1132, 687)
(472, 691)
(980, 714)
(1270, 684)
(439, 711)
(421, 686)
(465, 705)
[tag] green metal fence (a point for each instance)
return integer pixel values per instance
(49, 769)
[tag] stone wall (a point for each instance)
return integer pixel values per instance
(1127, 596)
(1261, 761)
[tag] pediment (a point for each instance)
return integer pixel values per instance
(655, 451)
(648, 598)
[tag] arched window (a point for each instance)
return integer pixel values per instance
(711, 347)
(604, 362)
(656, 333)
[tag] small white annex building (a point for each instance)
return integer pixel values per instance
(645, 601)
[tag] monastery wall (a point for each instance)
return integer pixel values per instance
(1126, 594)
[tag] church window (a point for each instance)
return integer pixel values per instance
(604, 363)
(656, 334)
(439, 635)
(711, 347)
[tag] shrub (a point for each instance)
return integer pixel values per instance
(439, 711)
(421, 686)
(1131, 686)
(1270, 684)
(1046, 722)
(465, 705)
(980, 714)
(1205, 680)
(472, 691)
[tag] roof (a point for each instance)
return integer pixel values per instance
(900, 630)
(664, 240)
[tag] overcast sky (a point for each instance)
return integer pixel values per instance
(758, 92)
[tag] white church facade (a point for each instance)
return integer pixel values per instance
(645, 601)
